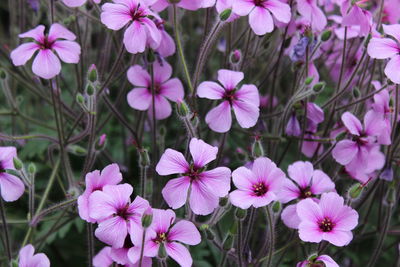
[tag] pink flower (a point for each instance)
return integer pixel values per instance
(309, 10)
(160, 5)
(244, 101)
(46, 64)
(141, 30)
(11, 187)
(257, 187)
(361, 153)
(77, 3)
(206, 187)
(259, 12)
(27, 258)
(355, 15)
(328, 220)
(381, 107)
(108, 255)
(382, 48)
(95, 181)
(167, 45)
(293, 126)
(115, 213)
(103, 258)
(322, 260)
(140, 97)
(163, 231)
(307, 183)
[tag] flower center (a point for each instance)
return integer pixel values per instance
(305, 193)
(326, 225)
(229, 95)
(46, 44)
(160, 238)
(124, 212)
(137, 13)
(260, 189)
(259, 3)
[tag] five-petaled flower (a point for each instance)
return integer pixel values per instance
(204, 187)
(46, 64)
(244, 101)
(11, 187)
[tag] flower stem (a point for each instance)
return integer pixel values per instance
(142, 248)
(271, 237)
(5, 229)
(240, 243)
(180, 49)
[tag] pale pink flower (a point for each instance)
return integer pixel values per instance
(354, 15)
(28, 258)
(95, 181)
(382, 48)
(115, 214)
(140, 97)
(328, 220)
(259, 12)
(77, 3)
(258, 186)
(244, 101)
(382, 107)
(167, 44)
(322, 260)
(160, 5)
(206, 186)
(11, 187)
(46, 64)
(306, 183)
(311, 12)
(141, 30)
(164, 231)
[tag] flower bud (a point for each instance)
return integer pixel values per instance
(204, 227)
(31, 168)
(276, 207)
(223, 201)
(3, 74)
(391, 195)
(235, 57)
(182, 108)
(240, 214)
(326, 35)
(90, 89)
(147, 218)
(162, 253)
(77, 150)
(228, 242)
(234, 228)
(318, 87)
(257, 149)
(80, 99)
(144, 158)
(309, 80)
(356, 92)
(17, 163)
(225, 14)
(101, 143)
(92, 74)
(355, 190)
(340, 136)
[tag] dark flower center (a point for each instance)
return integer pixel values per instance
(229, 95)
(128, 242)
(46, 44)
(137, 13)
(326, 225)
(2, 169)
(260, 189)
(160, 238)
(194, 172)
(305, 193)
(259, 3)
(124, 212)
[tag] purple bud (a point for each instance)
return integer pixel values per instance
(293, 126)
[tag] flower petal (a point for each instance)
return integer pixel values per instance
(202, 200)
(172, 89)
(23, 53)
(37, 33)
(229, 78)
(115, 16)
(68, 51)
(392, 30)
(210, 90)
(219, 119)
(261, 21)
(382, 48)
(202, 153)
(280, 10)
(139, 76)
(12, 188)
(175, 192)
(185, 232)
(218, 180)
(289, 217)
(179, 253)
(246, 114)
(57, 31)
(139, 98)
(345, 151)
(172, 162)
(352, 124)
(135, 38)
(162, 72)
(392, 69)
(46, 65)
(112, 231)
(301, 172)
(242, 199)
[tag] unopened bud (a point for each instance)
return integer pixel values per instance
(235, 57)
(31, 168)
(101, 143)
(80, 99)
(147, 218)
(182, 108)
(204, 227)
(77, 150)
(356, 92)
(341, 136)
(276, 207)
(234, 228)
(326, 35)
(90, 90)
(257, 149)
(3, 74)
(225, 14)
(318, 87)
(240, 213)
(223, 201)
(355, 190)
(309, 80)
(17, 163)
(92, 74)
(144, 158)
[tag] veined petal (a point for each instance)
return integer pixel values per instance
(46, 65)
(23, 53)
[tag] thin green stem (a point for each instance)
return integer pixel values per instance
(5, 230)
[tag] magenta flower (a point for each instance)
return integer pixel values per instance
(95, 181)
(361, 153)
(257, 187)
(167, 44)
(355, 15)
(259, 12)
(311, 12)
(28, 258)
(381, 107)
(163, 231)
(115, 213)
(306, 183)
(206, 187)
(322, 260)
(293, 126)
(141, 30)
(160, 5)
(103, 258)
(46, 64)
(245, 101)
(11, 187)
(328, 220)
(140, 97)
(382, 48)
(77, 3)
